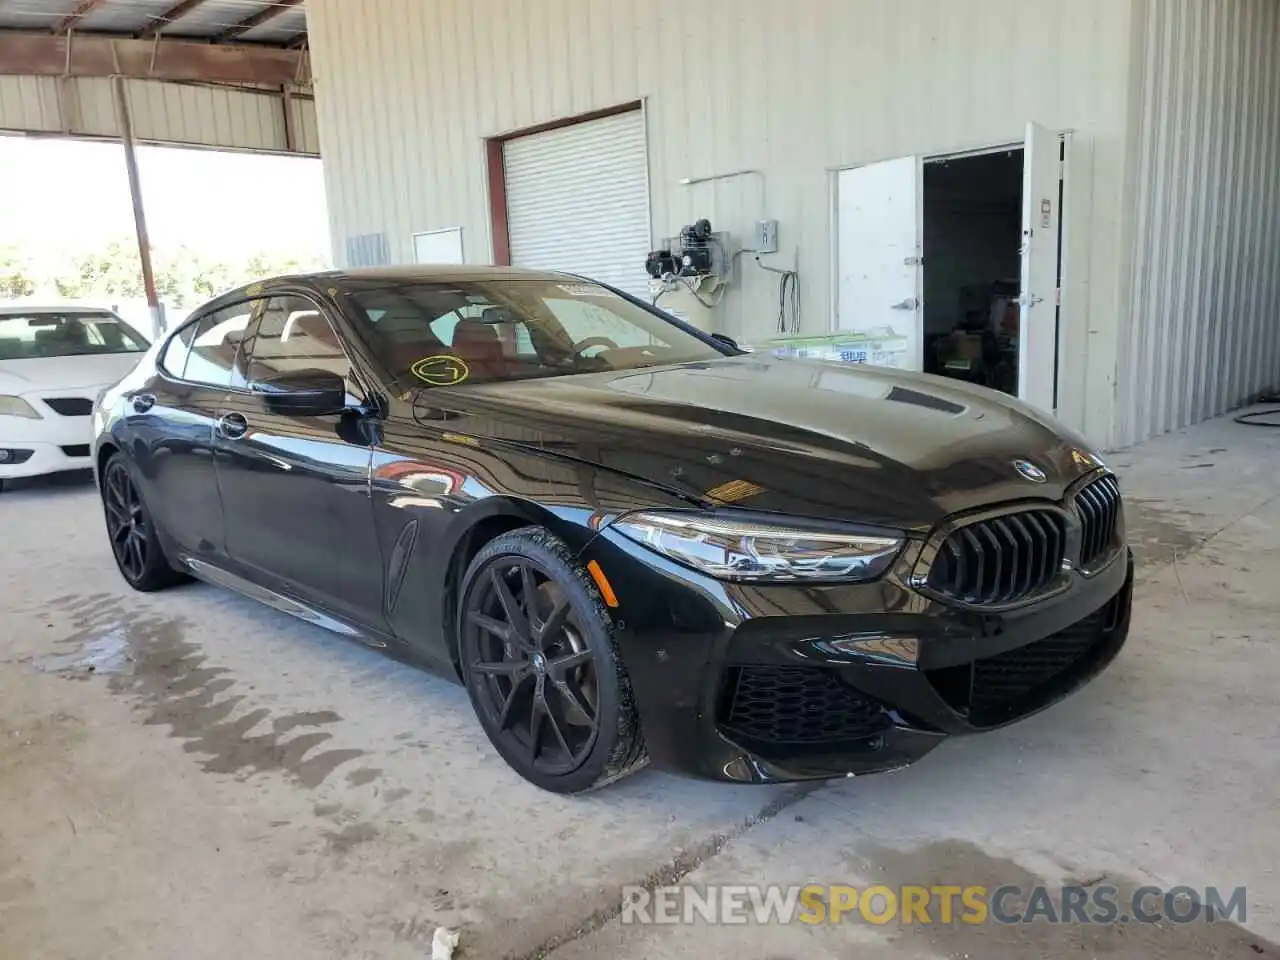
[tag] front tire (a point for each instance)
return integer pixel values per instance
(541, 665)
(135, 541)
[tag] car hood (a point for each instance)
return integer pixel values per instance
(64, 373)
(795, 437)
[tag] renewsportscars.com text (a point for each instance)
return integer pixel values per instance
(937, 904)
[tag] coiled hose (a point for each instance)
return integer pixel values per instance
(1262, 418)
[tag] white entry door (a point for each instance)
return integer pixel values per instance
(1041, 238)
(880, 217)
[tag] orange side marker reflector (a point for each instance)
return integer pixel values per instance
(606, 591)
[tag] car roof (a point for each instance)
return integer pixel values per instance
(443, 272)
(324, 279)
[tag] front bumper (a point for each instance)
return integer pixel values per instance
(39, 458)
(53, 443)
(781, 682)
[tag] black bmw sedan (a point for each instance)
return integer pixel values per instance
(631, 541)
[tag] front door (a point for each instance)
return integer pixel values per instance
(295, 489)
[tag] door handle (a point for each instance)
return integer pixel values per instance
(143, 402)
(911, 303)
(232, 426)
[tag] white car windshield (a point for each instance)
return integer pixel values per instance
(70, 334)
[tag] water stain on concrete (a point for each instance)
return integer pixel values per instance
(1157, 533)
(108, 654)
(349, 837)
(148, 659)
(960, 862)
(358, 778)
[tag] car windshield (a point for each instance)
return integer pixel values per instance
(72, 334)
(439, 333)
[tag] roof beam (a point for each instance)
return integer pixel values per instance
(92, 55)
(176, 12)
(269, 12)
(82, 8)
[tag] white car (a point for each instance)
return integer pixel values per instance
(54, 361)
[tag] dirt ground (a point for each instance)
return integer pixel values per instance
(191, 775)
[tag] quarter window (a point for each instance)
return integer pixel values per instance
(174, 360)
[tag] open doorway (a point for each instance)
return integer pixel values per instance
(973, 213)
(952, 264)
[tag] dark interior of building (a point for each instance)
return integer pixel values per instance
(972, 242)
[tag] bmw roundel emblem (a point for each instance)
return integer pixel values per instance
(1029, 471)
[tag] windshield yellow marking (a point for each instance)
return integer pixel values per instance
(442, 370)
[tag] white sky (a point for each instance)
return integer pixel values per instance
(75, 194)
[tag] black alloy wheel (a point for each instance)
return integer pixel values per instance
(131, 529)
(540, 666)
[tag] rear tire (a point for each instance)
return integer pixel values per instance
(541, 665)
(135, 540)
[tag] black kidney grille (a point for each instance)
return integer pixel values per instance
(70, 406)
(1001, 560)
(796, 705)
(1098, 506)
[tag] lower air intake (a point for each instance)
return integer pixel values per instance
(795, 705)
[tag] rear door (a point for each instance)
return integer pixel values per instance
(296, 488)
(175, 418)
(880, 245)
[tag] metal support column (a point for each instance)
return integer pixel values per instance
(135, 194)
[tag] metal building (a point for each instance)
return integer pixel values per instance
(1131, 146)
(1077, 199)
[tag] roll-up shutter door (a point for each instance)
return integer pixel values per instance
(578, 200)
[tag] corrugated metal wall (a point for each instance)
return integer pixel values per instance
(190, 114)
(1202, 328)
(407, 91)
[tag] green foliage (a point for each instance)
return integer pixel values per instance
(184, 276)
(15, 274)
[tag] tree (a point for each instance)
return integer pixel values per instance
(15, 275)
(184, 276)
(115, 271)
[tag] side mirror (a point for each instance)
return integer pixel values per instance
(304, 393)
(727, 340)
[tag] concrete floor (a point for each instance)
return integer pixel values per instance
(226, 781)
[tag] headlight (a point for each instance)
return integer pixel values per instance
(17, 407)
(731, 549)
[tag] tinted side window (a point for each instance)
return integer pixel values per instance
(212, 358)
(293, 335)
(174, 359)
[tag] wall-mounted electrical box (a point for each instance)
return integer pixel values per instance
(766, 238)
